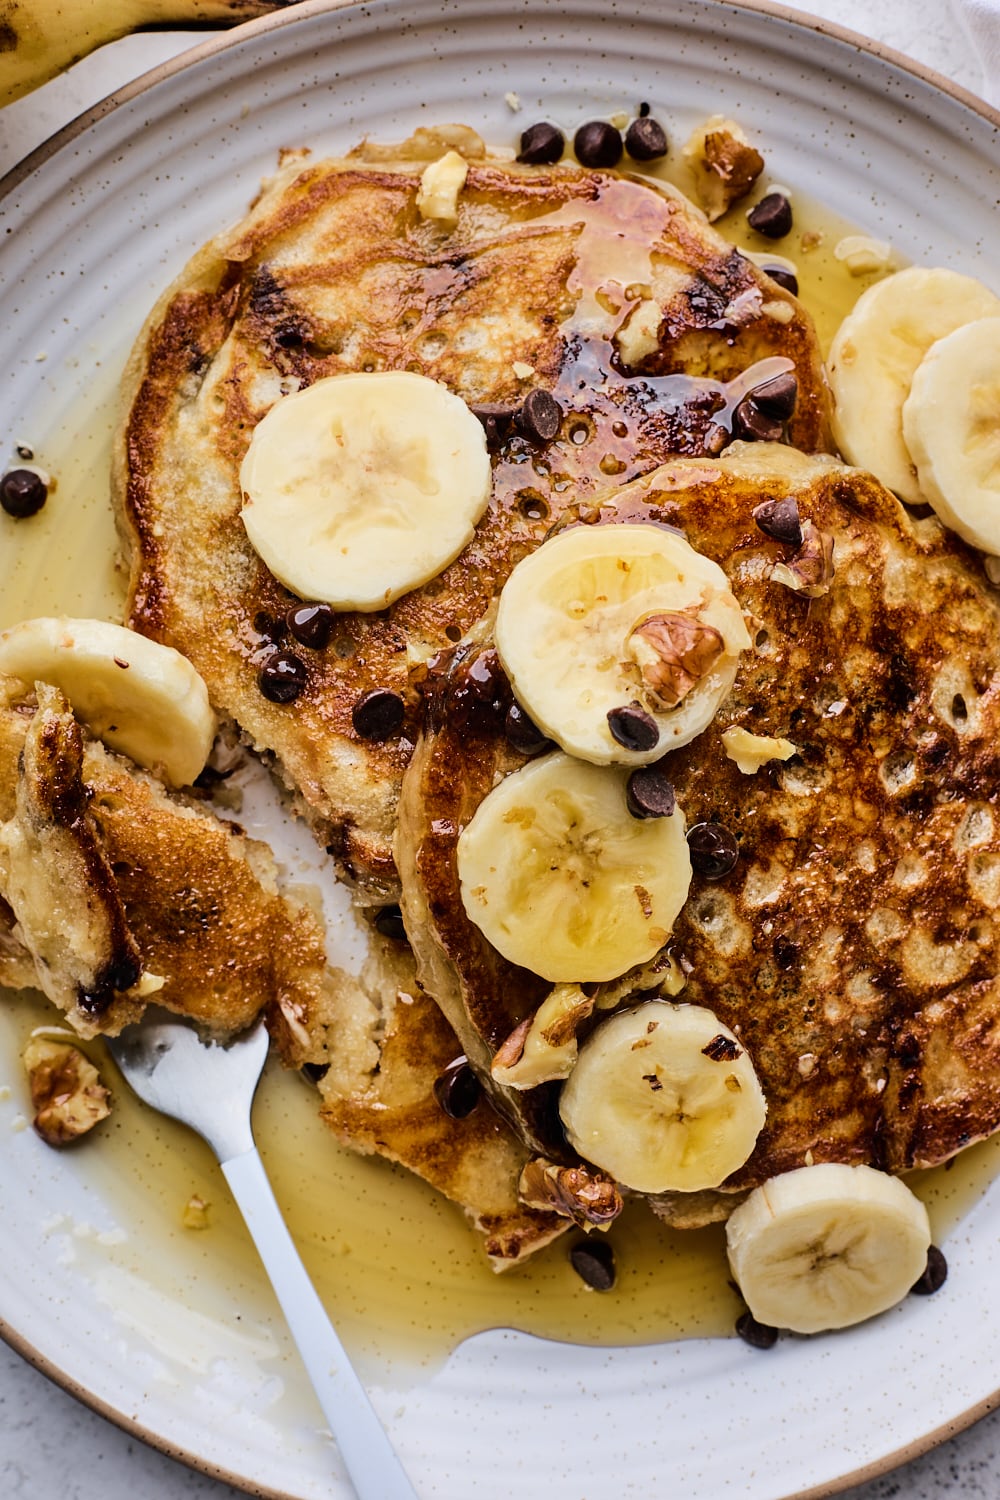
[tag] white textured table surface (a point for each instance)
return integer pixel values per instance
(51, 1448)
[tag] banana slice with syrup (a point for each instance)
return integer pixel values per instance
(827, 1246)
(620, 640)
(364, 486)
(664, 1098)
(139, 696)
(562, 880)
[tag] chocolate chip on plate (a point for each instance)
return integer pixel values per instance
(541, 144)
(934, 1276)
(389, 922)
(784, 277)
(772, 216)
(457, 1089)
(649, 794)
(598, 144)
(593, 1261)
(633, 727)
(523, 733)
(779, 519)
(540, 417)
(757, 1335)
(750, 423)
(713, 848)
(282, 677)
(311, 624)
(777, 397)
(645, 139)
(23, 492)
(378, 715)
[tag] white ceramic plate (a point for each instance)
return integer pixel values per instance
(97, 1285)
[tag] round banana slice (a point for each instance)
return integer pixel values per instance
(874, 355)
(621, 641)
(140, 697)
(951, 422)
(364, 486)
(562, 880)
(827, 1246)
(665, 1098)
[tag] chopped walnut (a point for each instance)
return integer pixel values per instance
(751, 751)
(440, 186)
(544, 1046)
(195, 1215)
(810, 570)
(674, 652)
(66, 1091)
(724, 163)
(588, 1197)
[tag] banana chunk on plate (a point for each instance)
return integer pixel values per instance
(827, 1246)
(951, 422)
(620, 640)
(138, 696)
(664, 1098)
(562, 880)
(364, 486)
(875, 354)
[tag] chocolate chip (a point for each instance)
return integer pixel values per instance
(780, 519)
(648, 793)
(282, 677)
(750, 423)
(772, 216)
(270, 627)
(378, 715)
(645, 139)
(523, 733)
(643, 110)
(934, 1276)
(497, 421)
(541, 144)
(598, 144)
(713, 848)
(540, 417)
(757, 1335)
(311, 624)
(457, 1089)
(593, 1260)
(777, 397)
(784, 277)
(22, 493)
(633, 727)
(389, 922)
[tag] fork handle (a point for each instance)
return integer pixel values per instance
(364, 1446)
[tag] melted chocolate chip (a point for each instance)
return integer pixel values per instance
(649, 794)
(935, 1275)
(754, 425)
(645, 139)
(270, 627)
(497, 421)
(785, 952)
(523, 733)
(757, 1335)
(633, 727)
(378, 715)
(282, 677)
(540, 417)
(777, 397)
(22, 493)
(95, 1002)
(541, 144)
(783, 277)
(598, 144)
(780, 519)
(714, 850)
(457, 1089)
(389, 922)
(593, 1260)
(772, 216)
(311, 624)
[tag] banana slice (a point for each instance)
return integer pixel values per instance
(827, 1246)
(951, 422)
(364, 486)
(562, 879)
(141, 698)
(602, 619)
(665, 1098)
(874, 355)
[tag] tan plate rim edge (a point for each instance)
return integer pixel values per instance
(30, 164)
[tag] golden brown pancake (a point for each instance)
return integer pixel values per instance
(854, 947)
(335, 270)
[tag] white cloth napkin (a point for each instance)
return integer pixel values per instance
(981, 19)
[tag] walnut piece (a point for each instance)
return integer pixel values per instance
(724, 164)
(810, 570)
(751, 751)
(66, 1091)
(674, 652)
(544, 1046)
(588, 1197)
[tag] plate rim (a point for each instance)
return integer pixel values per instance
(294, 12)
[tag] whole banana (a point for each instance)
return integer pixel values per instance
(40, 38)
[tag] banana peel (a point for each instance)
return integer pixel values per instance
(41, 38)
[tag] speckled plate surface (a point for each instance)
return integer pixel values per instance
(94, 225)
